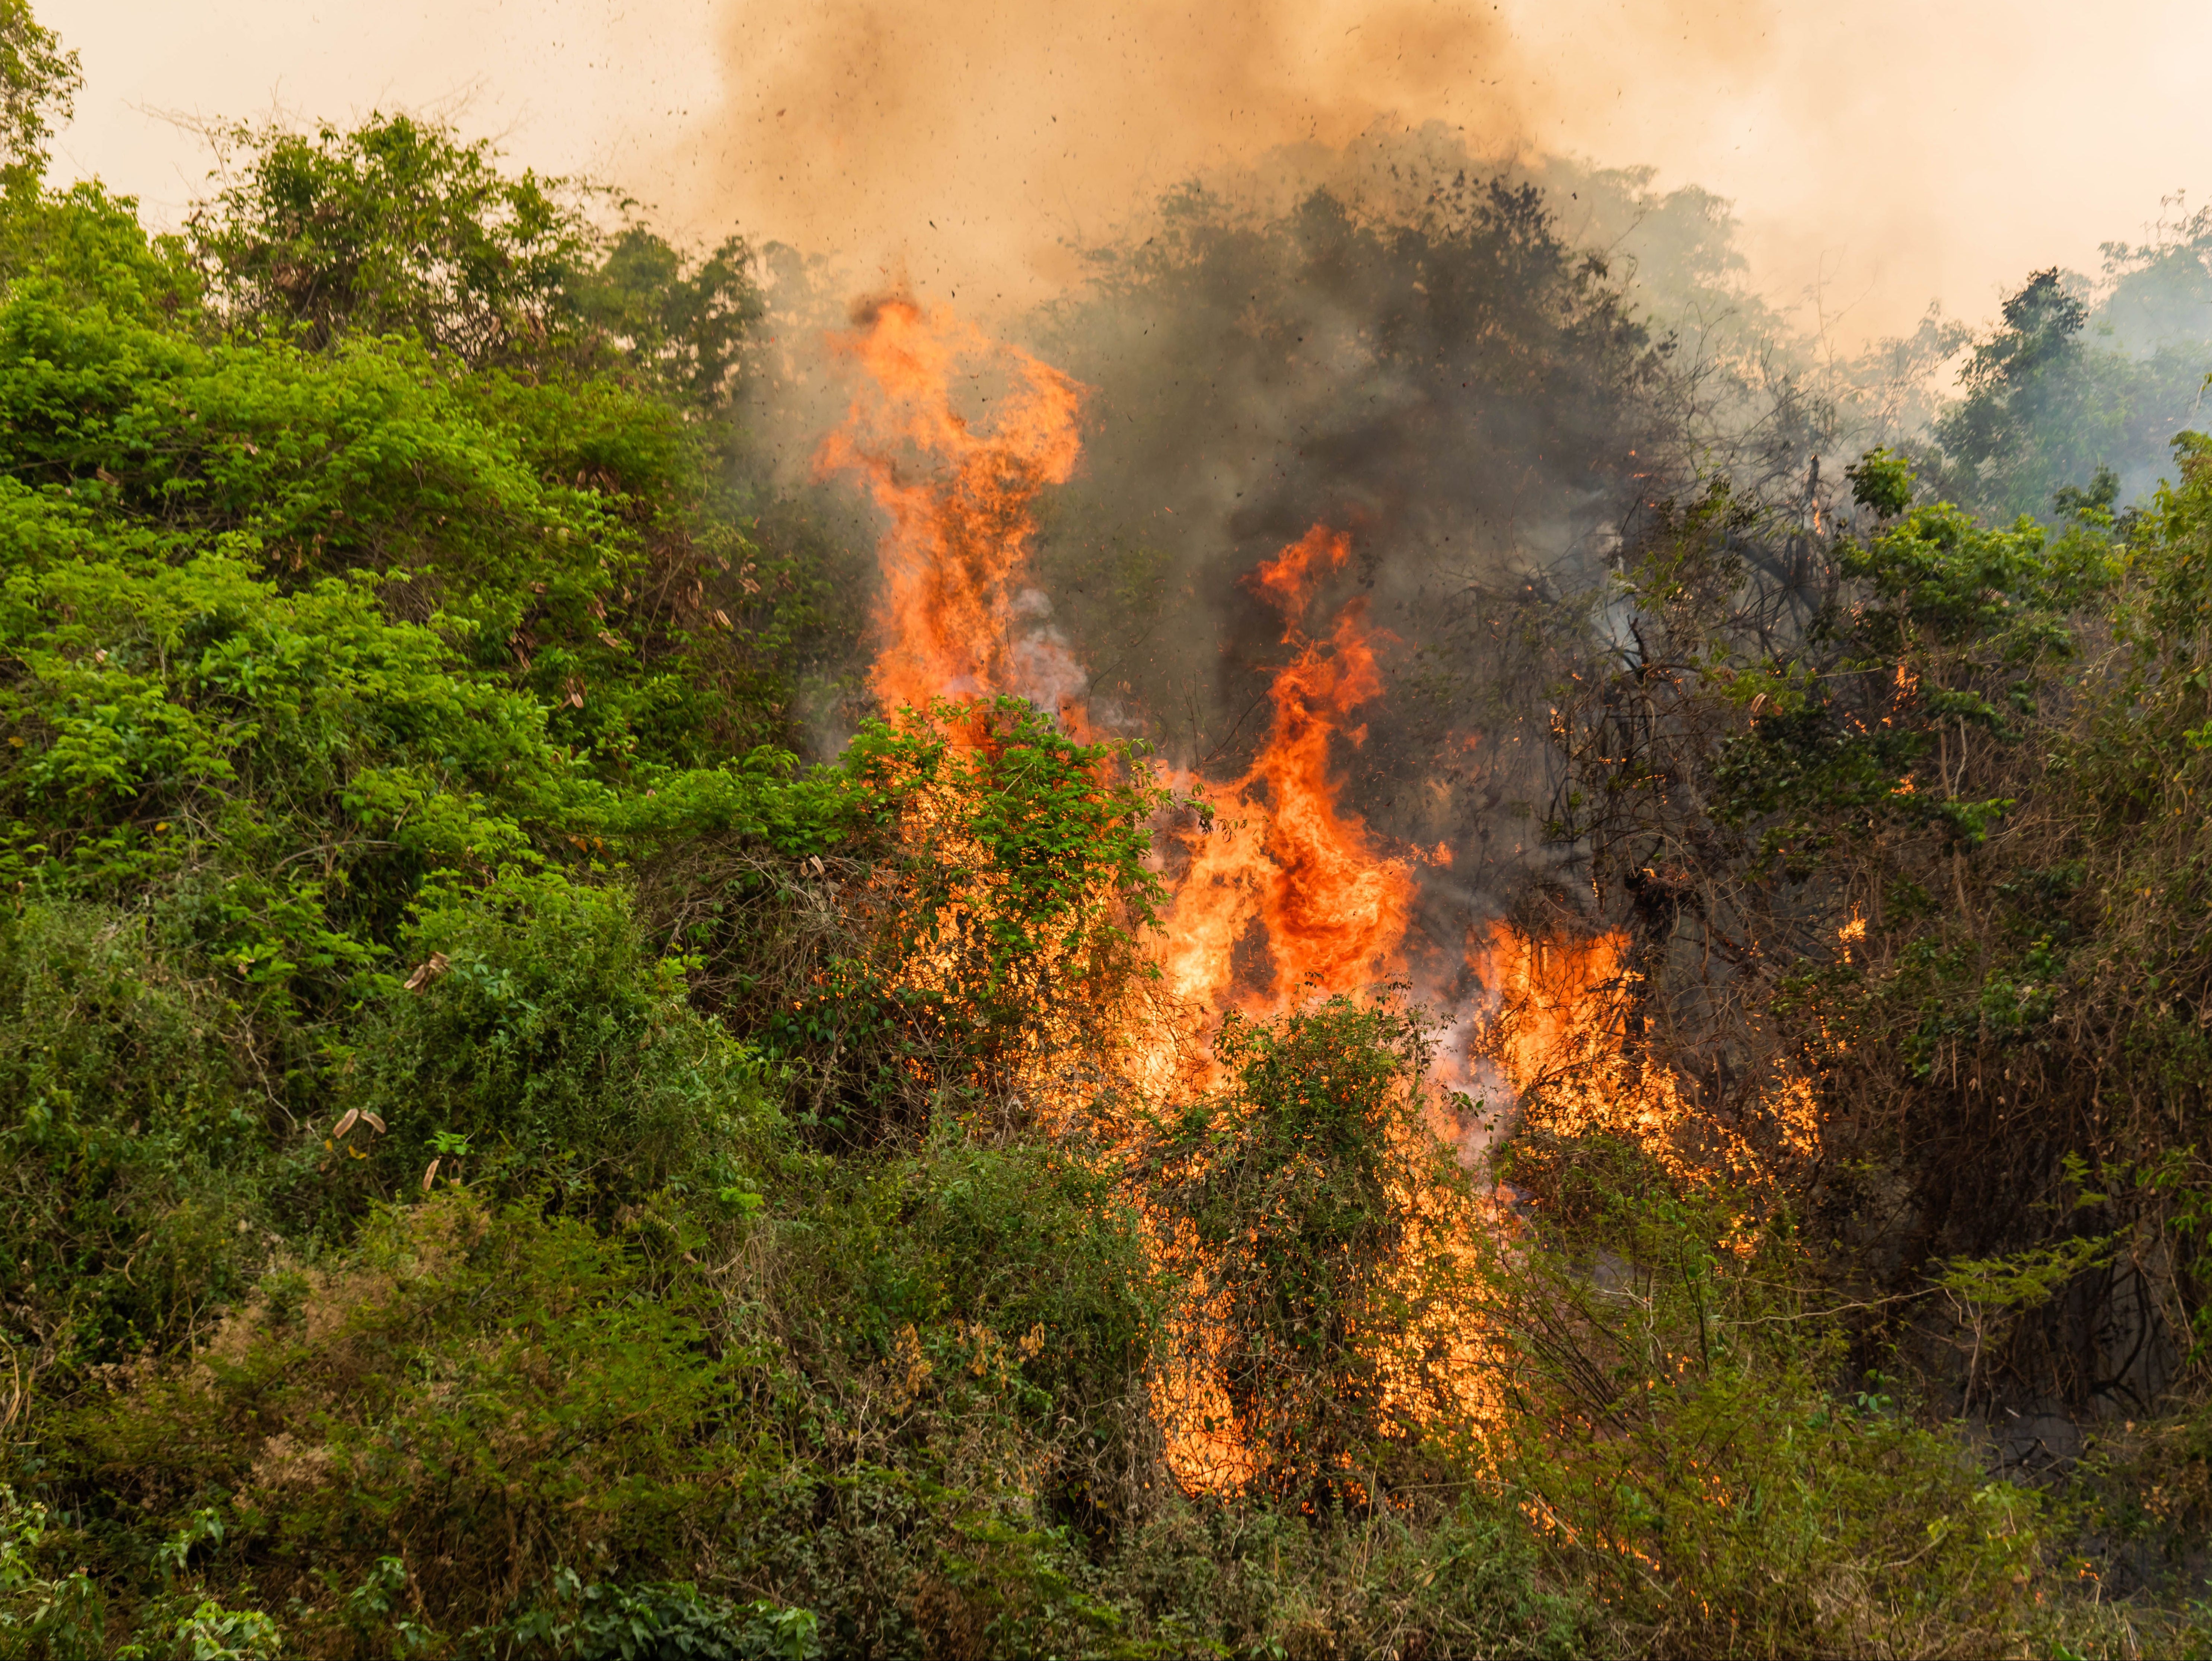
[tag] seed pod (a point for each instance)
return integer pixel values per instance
(430, 1176)
(346, 1123)
(371, 1120)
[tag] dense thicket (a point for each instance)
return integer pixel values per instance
(1937, 845)
(502, 1156)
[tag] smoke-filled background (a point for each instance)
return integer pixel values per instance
(1485, 286)
(1882, 155)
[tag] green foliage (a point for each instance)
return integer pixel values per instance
(391, 1425)
(1882, 479)
(602, 1622)
(1675, 1431)
(2160, 290)
(138, 1112)
(63, 1618)
(397, 225)
(685, 324)
(1060, 849)
(2050, 405)
(1018, 1272)
(393, 227)
(39, 83)
(469, 1386)
(540, 1035)
(1039, 883)
(1467, 1578)
(368, 457)
(85, 247)
(1858, 728)
(220, 683)
(286, 766)
(2025, 1279)
(1937, 577)
(212, 1632)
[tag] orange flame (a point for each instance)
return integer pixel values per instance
(1560, 1033)
(1285, 889)
(1288, 580)
(1330, 908)
(958, 618)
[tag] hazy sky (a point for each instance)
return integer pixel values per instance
(1886, 153)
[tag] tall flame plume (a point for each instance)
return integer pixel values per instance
(957, 616)
(1283, 853)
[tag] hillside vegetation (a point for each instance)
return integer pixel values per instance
(505, 1154)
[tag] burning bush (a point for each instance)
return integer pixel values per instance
(972, 942)
(1311, 1207)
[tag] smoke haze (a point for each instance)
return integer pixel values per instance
(972, 143)
(1879, 156)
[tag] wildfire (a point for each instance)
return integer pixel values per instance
(958, 618)
(1289, 880)
(1561, 1034)
(1282, 892)
(1853, 933)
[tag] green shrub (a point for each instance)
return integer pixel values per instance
(996, 1280)
(64, 1615)
(1674, 1428)
(1461, 1577)
(135, 1113)
(655, 1621)
(539, 1030)
(486, 1396)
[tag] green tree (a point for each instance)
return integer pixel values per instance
(2053, 397)
(398, 225)
(2161, 296)
(39, 83)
